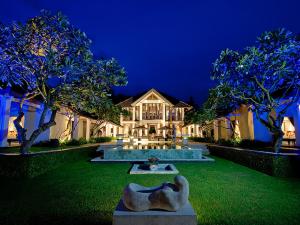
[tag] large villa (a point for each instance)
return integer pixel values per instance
(154, 113)
(153, 116)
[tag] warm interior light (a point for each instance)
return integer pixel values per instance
(288, 128)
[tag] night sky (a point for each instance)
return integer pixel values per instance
(166, 44)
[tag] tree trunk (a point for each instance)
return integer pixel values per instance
(277, 141)
(26, 144)
(274, 126)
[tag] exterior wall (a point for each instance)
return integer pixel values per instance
(9, 107)
(5, 105)
(296, 115)
(61, 130)
(261, 133)
(249, 127)
(245, 123)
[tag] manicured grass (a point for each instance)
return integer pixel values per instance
(86, 193)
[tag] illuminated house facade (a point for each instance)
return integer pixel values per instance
(68, 125)
(247, 126)
(153, 113)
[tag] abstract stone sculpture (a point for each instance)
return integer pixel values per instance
(168, 196)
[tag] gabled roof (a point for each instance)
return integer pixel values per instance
(182, 104)
(155, 92)
(173, 101)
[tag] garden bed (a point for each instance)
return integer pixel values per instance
(279, 165)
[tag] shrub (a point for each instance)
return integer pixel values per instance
(75, 142)
(49, 143)
(269, 163)
(100, 139)
(82, 141)
(35, 164)
(201, 139)
(243, 143)
(72, 142)
(251, 143)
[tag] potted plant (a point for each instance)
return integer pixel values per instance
(153, 163)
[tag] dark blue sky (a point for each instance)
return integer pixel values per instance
(166, 44)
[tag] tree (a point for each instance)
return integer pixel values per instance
(221, 104)
(48, 57)
(265, 76)
(218, 104)
(84, 97)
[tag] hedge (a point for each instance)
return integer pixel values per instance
(279, 165)
(32, 165)
(245, 143)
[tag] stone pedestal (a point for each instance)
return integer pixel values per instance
(184, 216)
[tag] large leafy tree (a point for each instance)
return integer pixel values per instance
(221, 104)
(84, 95)
(218, 104)
(47, 56)
(264, 76)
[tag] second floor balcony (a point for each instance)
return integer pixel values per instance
(152, 116)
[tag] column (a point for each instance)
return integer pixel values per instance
(115, 131)
(5, 104)
(88, 129)
(182, 113)
(164, 112)
(75, 127)
(216, 130)
(133, 113)
(146, 130)
(121, 120)
(297, 124)
(196, 130)
(141, 112)
(229, 130)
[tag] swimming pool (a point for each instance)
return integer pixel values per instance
(161, 151)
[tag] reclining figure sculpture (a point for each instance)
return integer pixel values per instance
(167, 196)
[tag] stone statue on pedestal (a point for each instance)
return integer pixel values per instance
(167, 196)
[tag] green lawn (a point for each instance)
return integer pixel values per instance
(86, 193)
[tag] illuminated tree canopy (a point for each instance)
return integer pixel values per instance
(265, 76)
(49, 58)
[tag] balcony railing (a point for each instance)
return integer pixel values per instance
(152, 116)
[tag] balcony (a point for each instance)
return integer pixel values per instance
(152, 116)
